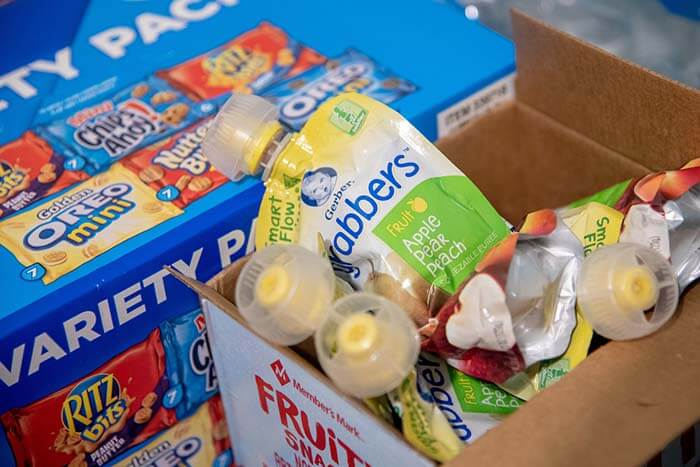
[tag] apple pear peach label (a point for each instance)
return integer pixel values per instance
(442, 228)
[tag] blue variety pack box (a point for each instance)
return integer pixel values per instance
(104, 357)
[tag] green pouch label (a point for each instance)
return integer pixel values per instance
(442, 228)
(478, 396)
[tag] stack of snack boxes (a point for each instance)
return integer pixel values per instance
(104, 358)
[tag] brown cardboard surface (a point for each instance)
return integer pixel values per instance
(633, 111)
(523, 161)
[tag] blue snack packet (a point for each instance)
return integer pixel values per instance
(189, 363)
(132, 118)
(298, 97)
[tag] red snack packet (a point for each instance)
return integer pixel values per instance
(175, 167)
(31, 169)
(91, 421)
(220, 435)
(246, 64)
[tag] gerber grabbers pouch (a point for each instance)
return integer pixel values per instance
(398, 218)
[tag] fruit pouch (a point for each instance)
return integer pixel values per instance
(132, 118)
(517, 308)
(662, 211)
(31, 169)
(286, 293)
(471, 406)
(189, 362)
(595, 225)
(201, 439)
(175, 167)
(57, 236)
(247, 64)
(90, 422)
(397, 217)
(298, 97)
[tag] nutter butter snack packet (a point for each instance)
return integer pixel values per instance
(56, 237)
(132, 118)
(246, 64)
(196, 440)
(89, 422)
(176, 168)
(298, 97)
(30, 169)
(189, 362)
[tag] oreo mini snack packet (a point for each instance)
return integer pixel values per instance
(132, 118)
(298, 97)
(30, 169)
(57, 236)
(250, 62)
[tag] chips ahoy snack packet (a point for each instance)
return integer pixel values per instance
(298, 97)
(196, 440)
(246, 64)
(57, 236)
(30, 169)
(189, 362)
(176, 168)
(132, 118)
(89, 422)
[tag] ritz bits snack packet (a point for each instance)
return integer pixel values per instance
(247, 64)
(298, 97)
(56, 237)
(132, 118)
(189, 362)
(89, 422)
(176, 168)
(199, 440)
(30, 169)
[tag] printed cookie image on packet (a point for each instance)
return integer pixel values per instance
(188, 360)
(90, 421)
(30, 169)
(132, 118)
(175, 166)
(246, 64)
(58, 236)
(298, 97)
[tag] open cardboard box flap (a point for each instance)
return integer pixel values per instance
(582, 120)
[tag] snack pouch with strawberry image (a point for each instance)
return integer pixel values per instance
(517, 308)
(397, 217)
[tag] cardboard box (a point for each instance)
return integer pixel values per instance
(582, 120)
(84, 294)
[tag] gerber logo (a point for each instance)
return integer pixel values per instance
(381, 188)
(186, 153)
(311, 96)
(93, 407)
(12, 179)
(119, 131)
(89, 213)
